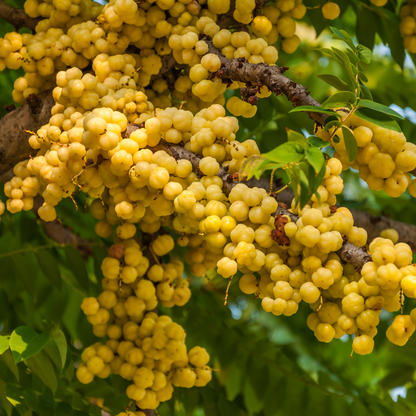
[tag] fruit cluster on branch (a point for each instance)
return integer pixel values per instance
(137, 122)
(256, 76)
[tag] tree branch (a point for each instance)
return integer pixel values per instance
(262, 74)
(358, 256)
(178, 152)
(373, 224)
(14, 144)
(17, 17)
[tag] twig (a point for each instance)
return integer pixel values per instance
(17, 17)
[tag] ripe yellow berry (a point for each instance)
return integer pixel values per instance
(331, 10)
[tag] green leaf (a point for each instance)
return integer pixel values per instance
(41, 365)
(379, 108)
(99, 253)
(78, 413)
(16, 398)
(256, 165)
(63, 409)
(227, 408)
(23, 272)
(315, 158)
(377, 118)
(4, 343)
(294, 179)
(76, 264)
(350, 143)
(342, 57)
(334, 82)
(352, 57)
(317, 142)
(294, 136)
(7, 358)
(305, 194)
(331, 124)
(340, 99)
(315, 182)
(236, 376)
(49, 268)
(25, 342)
(362, 77)
(313, 109)
(253, 403)
(388, 27)
(344, 36)
(364, 54)
(58, 336)
(288, 152)
(46, 405)
(328, 52)
(366, 93)
(31, 399)
(366, 27)
(7, 406)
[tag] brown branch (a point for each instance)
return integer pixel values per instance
(262, 74)
(373, 224)
(17, 17)
(358, 256)
(178, 152)
(14, 145)
(61, 233)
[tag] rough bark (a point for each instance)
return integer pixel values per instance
(17, 17)
(178, 152)
(262, 74)
(14, 145)
(358, 256)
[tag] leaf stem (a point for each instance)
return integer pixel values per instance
(282, 189)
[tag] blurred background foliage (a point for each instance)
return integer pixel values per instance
(268, 366)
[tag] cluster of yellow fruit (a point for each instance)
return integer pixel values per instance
(352, 304)
(142, 347)
(384, 157)
(62, 13)
(20, 190)
(276, 19)
(57, 44)
(75, 32)
(81, 149)
(408, 25)
(251, 247)
(389, 276)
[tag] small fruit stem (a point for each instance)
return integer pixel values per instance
(271, 180)
(129, 405)
(154, 255)
(401, 299)
(321, 303)
(226, 292)
(282, 189)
